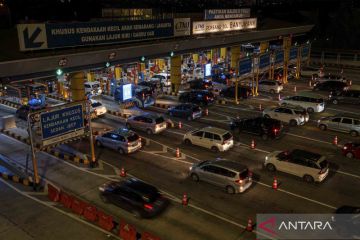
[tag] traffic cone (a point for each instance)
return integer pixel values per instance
(185, 200)
(260, 106)
(275, 184)
(335, 140)
(206, 112)
(180, 125)
(253, 144)
(177, 152)
(122, 172)
(295, 88)
(249, 226)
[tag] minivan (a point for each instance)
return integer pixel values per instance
(349, 96)
(232, 176)
(92, 88)
(310, 103)
(148, 122)
(307, 165)
(122, 140)
(342, 123)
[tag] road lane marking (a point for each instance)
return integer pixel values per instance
(51, 205)
(338, 110)
(311, 139)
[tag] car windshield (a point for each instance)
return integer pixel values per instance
(96, 104)
(95, 86)
(132, 137)
(300, 111)
(227, 136)
(244, 174)
(324, 164)
(159, 120)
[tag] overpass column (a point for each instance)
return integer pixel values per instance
(223, 53)
(195, 57)
(286, 46)
(175, 76)
(235, 56)
(298, 64)
(77, 86)
(90, 76)
(117, 73)
(264, 46)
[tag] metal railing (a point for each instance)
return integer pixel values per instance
(345, 58)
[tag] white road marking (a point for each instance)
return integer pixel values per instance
(171, 158)
(236, 108)
(170, 131)
(338, 110)
(311, 139)
(51, 205)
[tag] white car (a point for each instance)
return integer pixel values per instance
(294, 115)
(270, 86)
(92, 88)
(97, 108)
(198, 73)
(310, 103)
(164, 78)
(332, 77)
(216, 139)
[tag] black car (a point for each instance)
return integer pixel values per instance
(135, 196)
(264, 127)
(330, 86)
(201, 97)
(153, 85)
(347, 96)
(143, 92)
(24, 110)
(186, 110)
(200, 84)
(243, 92)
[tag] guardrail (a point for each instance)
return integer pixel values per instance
(336, 58)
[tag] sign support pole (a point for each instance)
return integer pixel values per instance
(298, 64)
(236, 90)
(92, 148)
(33, 156)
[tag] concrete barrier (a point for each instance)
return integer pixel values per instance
(7, 122)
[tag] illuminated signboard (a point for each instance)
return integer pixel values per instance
(224, 25)
(213, 14)
(127, 91)
(208, 70)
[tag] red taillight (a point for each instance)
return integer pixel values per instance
(207, 97)
(239, 181)
(148, 206)
(276, 131)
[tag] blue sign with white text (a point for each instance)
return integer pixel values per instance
(305, 51)
(279, 56)
(245, 66)
(293, 53)
(264, 60)
(61, 121)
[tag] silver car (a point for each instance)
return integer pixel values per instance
(270, 86)
(229, 175)
(149, 122)
(342, 123)
(121, 140)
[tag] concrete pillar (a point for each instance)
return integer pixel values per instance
(264, 46)
(175, 76)
(90, 76)
(118, 73)
(195, 57)
(223, 53)
(286, 46)
(208, 56)
(235, 56)
(77, 86)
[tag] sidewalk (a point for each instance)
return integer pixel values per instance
(176, 223)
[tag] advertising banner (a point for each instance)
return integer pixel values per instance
(223, 25)
(182, 27)
(214, 14)
(59, 35)
(264, 60)
(245, 66)
(279, 56)
(293, 53)
(305, 50)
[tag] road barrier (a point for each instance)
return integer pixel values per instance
(105, 221)
(17, 179)
(53, 193)
(78, 206)
(127, 231)
(9, 103)
(149, 236)
(90, 213)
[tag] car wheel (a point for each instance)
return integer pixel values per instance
(264, 137)
(270, 167)
(349, 155)
(310, 110)
(354, 133)
(189, 118)
(272, 91)
(293, 122)
(308, 178)
(323, 127)
(230, 189)
(128, 126)
(335, 101)
(98, 143)
(214, 149)
(149, 131)
(103, 198)
(194, 177)
(121, 151)
(266, 116)
(136, 213)
(187, 142)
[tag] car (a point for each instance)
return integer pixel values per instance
(264, 127)
(164, 79)
(311, 72)
(307, 165)
(153, 85)
(287, 113)
(200, 84)
(229, 92)
(270, 86)
(149, 122)
(201, 97)
(332, 77)
(310, 103)
(92, 88)
(347, 96)
(141, 199)
(342, 123)
(330, 86)
(186, 110)
(216, 139)
(97, 108)
(142, 91)
(122, 140)
(351, 150)
(23, 111)
(232, 176)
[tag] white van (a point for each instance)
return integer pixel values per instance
(92, 88)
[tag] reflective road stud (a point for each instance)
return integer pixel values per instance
(185, 200)
(335, 140)
(249, 226)
(275, 184)
(122, 172)
(177, 152)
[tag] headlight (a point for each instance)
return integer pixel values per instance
(345, 147)
(266, 158)
(190, 168)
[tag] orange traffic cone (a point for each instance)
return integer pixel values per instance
(249, 226)
(335, 140)
(260, 106)
(206, 112)
(295, 88)
(122, 172)
(185, 199)
(275, 184)
(253, 144)
(180, 125)
(177, 152)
